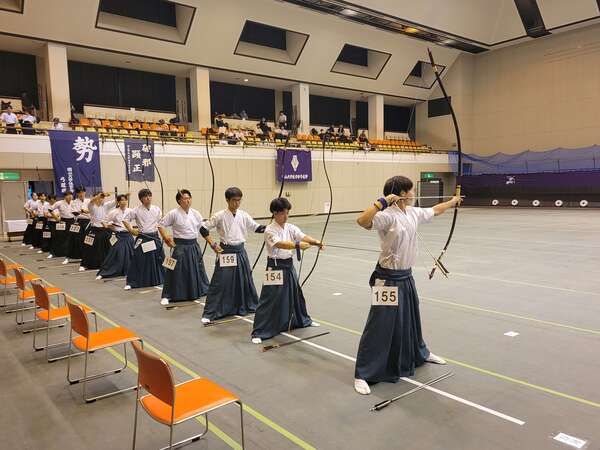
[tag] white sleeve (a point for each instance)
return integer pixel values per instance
(250, 223)
(214, 221)
(167, 220)
(271, 237)
(423, 215)
(382, 222)
(296, 233)
(199, 217)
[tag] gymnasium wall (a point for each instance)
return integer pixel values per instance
(539, 95)
(357, 178)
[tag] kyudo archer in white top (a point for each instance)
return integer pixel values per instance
(392, 344)
(145, 268)
(231, 290)
(187, 281)
(281, 306)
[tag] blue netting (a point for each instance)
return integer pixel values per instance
(557, 160)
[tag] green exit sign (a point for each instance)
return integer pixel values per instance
(10, 176)
(428, 175)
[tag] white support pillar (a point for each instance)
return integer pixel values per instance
(200, 97)
(181, 99)
(57, 81)
(279, 105)
(376, 117)
(301, 106)
(352, 112)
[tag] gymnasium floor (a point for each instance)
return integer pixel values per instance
(534, 272)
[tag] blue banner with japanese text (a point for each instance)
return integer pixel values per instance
(75, 161)
(139, 156)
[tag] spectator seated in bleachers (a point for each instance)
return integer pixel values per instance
(9, 118)
(27, 121)
(56, 125)
(264, 130)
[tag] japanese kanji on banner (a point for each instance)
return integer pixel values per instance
(75, 160)
(139, 154)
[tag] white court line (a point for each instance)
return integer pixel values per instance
(408, 380)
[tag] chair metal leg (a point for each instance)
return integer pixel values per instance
(87, 378)
(135, 416)
(188, 440)
(242, 422)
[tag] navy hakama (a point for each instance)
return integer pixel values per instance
(75, 239)
(37, 232)
(145, 268)
(231, 289)
(392, 345)
(60, 239)
(188, 281)
(119, 256)
(28, 235)
(46, 245)
(280, 307)
(92, 256)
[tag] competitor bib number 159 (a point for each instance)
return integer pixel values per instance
(384, 295)
(228, 260)
(273, 278)
(169, 263)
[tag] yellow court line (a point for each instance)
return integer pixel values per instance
(514, 316)
(488, 372)
(284, 432)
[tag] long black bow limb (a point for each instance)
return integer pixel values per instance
(438, 263)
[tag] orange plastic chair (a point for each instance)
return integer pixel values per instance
(84, 122)
(105, 123)
(90, 341)
(5, 280)
(172, 404)
(48, 313)
(25, 295)
(4, 268)
(126, 125)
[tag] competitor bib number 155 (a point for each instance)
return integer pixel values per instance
(273, 278)
(384, 295)
(169, 263)
(228, 260)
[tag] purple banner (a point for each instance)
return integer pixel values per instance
(293, 165)
(75, 161)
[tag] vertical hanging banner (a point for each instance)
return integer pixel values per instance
(139, 154)
(75, 161)
(293, 165)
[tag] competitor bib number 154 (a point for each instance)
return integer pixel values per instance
(228, 260)
(273, 278)
(169, 263)
(384, 296)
